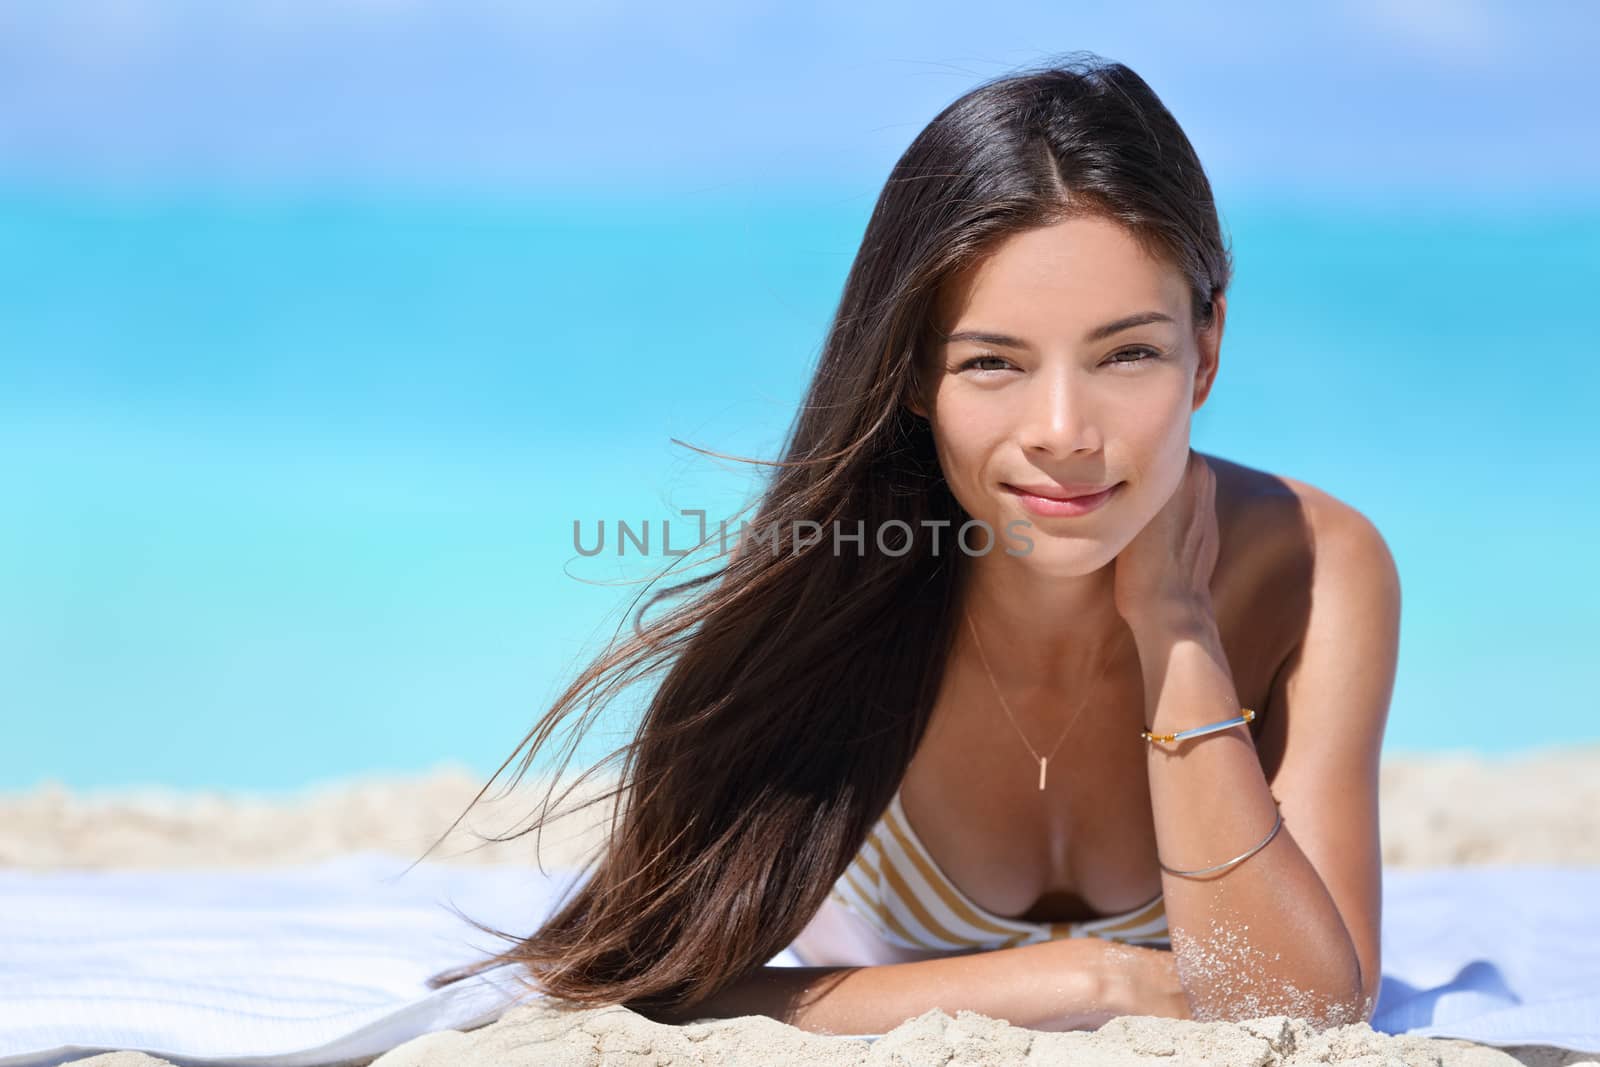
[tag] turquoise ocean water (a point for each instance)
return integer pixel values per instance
(287, 482)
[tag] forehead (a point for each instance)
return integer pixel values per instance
(1075, 273)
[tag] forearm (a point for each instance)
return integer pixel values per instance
(1054, 985)
(1262, 937)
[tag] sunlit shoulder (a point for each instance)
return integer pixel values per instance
(1269, 512)
(1306, 587)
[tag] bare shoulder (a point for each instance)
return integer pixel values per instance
(1280, 516)
(1285, 546)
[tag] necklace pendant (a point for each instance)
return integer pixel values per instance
(1042, 761)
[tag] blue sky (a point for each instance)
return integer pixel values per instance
(1473, 98)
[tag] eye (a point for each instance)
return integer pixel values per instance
(972, 364)
(1139, 350)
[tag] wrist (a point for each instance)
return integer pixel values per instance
(1088, 990)
(1172, 616)
(1142, 980)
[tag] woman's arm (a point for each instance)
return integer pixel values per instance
(1293, 929)
(1263, 937)
(1054, 985)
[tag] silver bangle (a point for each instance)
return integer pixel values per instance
(1247, 716)
(1237, 859)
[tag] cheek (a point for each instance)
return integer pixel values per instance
(1154, 462)
(962, 461)
(965, 439)
(1159, 436)
(965, 462)
(1163, 469)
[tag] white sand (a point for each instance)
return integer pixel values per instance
(1456, 810)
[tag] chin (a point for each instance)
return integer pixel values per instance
(1059, 558)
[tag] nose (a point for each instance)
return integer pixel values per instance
(1059, 417)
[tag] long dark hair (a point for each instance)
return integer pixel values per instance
(797, 680)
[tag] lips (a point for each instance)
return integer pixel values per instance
(1058, 507)
(1062, 492)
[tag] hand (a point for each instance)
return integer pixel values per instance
(1171, 561)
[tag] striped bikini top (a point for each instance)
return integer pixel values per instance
(896, 887)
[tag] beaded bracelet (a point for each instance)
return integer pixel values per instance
(1276, 826)
(1198, 731)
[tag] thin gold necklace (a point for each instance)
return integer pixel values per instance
(1043, 760)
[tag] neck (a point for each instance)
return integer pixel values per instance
(1037, 631)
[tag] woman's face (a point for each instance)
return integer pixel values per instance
(1037, 389)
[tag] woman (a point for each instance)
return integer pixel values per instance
(947, 775)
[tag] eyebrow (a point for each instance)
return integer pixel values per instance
(985, 337)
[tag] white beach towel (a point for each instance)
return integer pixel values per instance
(325, 963)
(1498, 955)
